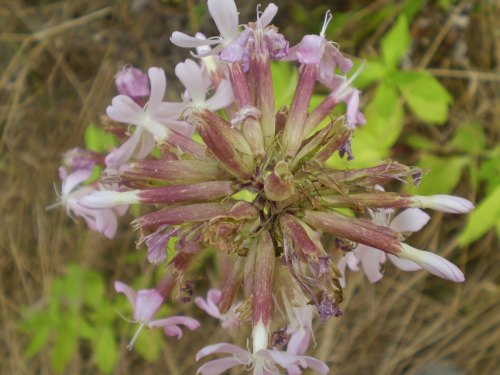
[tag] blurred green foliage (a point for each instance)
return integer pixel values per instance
(78, 311)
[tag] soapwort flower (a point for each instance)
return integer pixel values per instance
(146, 303)
(255, 188)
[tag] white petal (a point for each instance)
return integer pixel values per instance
(189, 73)
(124, 109)
(444, 203)
(404, 264)
(186, 41)
(73, 179)
(128, 291)
(225, 15)
(108, 198)
(371, 259)
(241, 354)
(267, 16)
(433, 263)
(316, 365)
(222, 98)
(158, 83)
(409, 220)
(218, 366)
(119, 156)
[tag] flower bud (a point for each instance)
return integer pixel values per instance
(279, 184)
(228, 146)
(444, 203)
(132, 82)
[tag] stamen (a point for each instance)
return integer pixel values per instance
(328, 18)
(131, 345)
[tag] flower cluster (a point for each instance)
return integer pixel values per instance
(225, 169)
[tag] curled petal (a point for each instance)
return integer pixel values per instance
(148, 302)
(433, 263)
(410, 220)
(124, 109)
(158, 86)
(225, 15)
(128, 291)
(218, 366)
(186, 41)
(404, 264)
(224, 348)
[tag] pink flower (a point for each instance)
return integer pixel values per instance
(152, 123)
(315, 49)
(146, 303)
(101, 220)
(264, 362)
(229, 320)
(196, 84)
(408, 221)
(232, 43)
(132, 82)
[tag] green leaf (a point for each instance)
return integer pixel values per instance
(396, 42)
(425, 95)
(105, 350)
(470, 138)
(419, 142)
(372, 71)
(444, 174)
(65, 345)
(412, 7)
(384, 116)
(285, 80)
(93, 289)
(484, 217)
(96, 139)
(149, 344)
(490, 172)
(38, 341)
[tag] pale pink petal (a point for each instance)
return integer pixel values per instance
(132, 82)
(124, 109)
(316, 365)
(332, 52)
(409, 220)
(225, 15)
(222, 98)
(71, 181)
(433, 263)
(186, 41)
(299, 341)
(310, 50)
(158, 86)
(122, 154)
(169, 111)
(371, 259)
(210, 305)
(128, 291)
(147, 304)
(444, 203)
(352, 101)
(173, 330)
(146, 145)
(235, 51)
(404, 264)
(189, 73)
(226, 349)
(190, 323)
(267, 16)
(218, 366)
(106, 222)
(281, 358)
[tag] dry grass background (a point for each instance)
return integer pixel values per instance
(57, 60)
